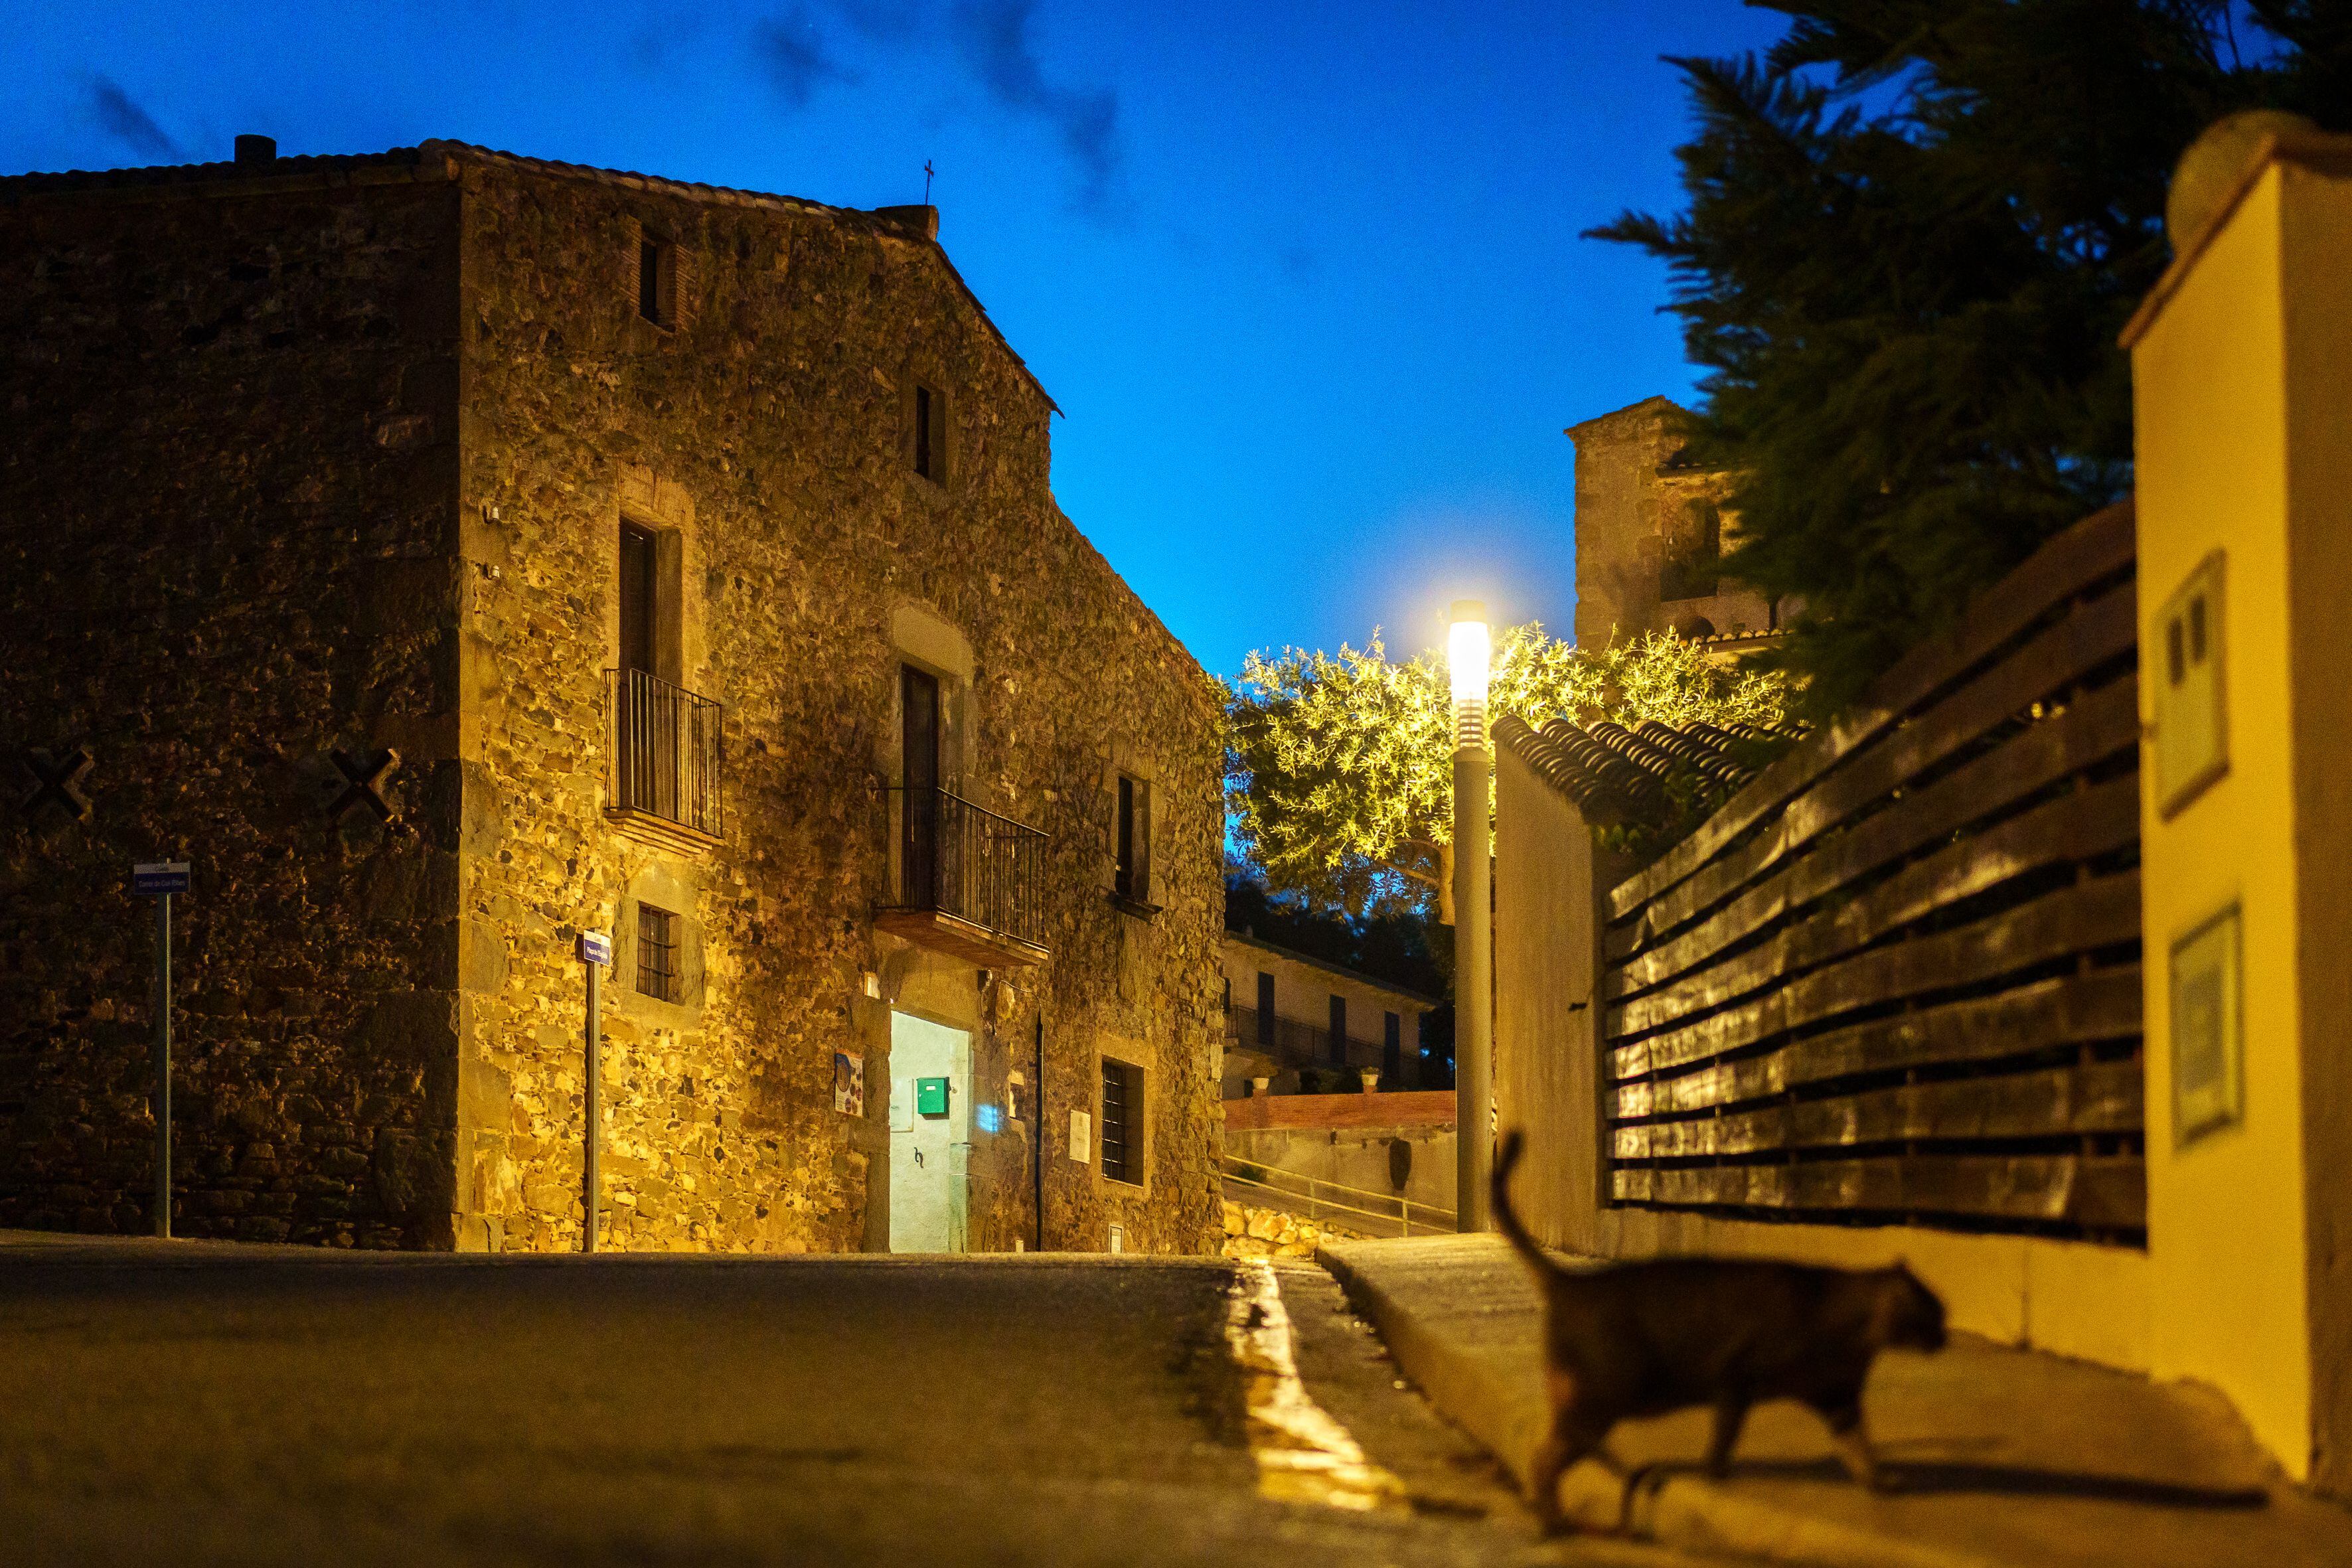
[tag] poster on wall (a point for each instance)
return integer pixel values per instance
(1082, 1137)
(849, 1082)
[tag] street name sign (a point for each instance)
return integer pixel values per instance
(595, 947)
(159, 876)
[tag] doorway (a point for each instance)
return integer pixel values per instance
(930, 1134)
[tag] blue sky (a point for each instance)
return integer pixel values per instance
(1306, 281)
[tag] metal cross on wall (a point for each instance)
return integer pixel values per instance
(56, 780)
(364, 774)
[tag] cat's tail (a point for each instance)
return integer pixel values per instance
(1507, 1219)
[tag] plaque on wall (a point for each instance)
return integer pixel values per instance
(2209, 1071)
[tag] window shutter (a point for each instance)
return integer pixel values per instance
(686, 291)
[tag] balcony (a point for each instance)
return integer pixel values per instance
(1287, 1045)
(969, 883)
(661, 762)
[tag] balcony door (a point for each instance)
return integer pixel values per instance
(919, 741)
(648, 738)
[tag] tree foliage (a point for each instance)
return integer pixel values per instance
(1915, 229)
(1340, 780)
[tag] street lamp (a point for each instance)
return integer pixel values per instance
(1468, 652)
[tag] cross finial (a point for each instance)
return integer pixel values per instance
(927, 181)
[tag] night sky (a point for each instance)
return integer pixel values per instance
(1305, 280)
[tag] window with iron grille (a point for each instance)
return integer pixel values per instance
(657, 965)
(1122, 1122)
(1265, 1008)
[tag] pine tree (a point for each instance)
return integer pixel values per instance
(1915, 229)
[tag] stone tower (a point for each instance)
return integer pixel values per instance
(1650, 532)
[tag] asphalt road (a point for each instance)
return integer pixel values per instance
(164, 1403)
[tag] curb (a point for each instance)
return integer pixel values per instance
(1690, 1512)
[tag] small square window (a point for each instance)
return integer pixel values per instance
(658, 971)
(1122, 1122)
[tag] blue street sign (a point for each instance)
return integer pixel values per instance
(595, 947)
(159, 876)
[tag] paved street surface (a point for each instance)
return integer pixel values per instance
(1998, 1458)
(170, 1403)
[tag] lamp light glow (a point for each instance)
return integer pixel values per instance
(1468, 652)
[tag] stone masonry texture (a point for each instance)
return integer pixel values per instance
(335, 454)
(1638, 507)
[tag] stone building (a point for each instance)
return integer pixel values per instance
(448, 552)
(1651, 532)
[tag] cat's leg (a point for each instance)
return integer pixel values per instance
(1851, 1437)
(1730, 1414)
(1575, 1433)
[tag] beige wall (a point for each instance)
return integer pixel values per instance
(2244, 445)
(1303, 991)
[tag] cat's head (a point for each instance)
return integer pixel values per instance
(1909, 1313)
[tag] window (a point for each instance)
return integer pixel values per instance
(657, 965)
(1694, 554)
(1339, 1030)
(1265, 1008)
(1229, 993)
(1122, 1122)
(1131, 841)
(931, 432)
(657, 281)
(1392, 1050)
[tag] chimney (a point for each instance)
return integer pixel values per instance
(923, 220)
(256, 149)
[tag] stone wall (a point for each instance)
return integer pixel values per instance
(226, 529)
(335, 454)
(767, 433)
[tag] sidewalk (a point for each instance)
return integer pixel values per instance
(2005, 1458)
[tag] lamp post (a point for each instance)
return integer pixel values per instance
(1468, 650)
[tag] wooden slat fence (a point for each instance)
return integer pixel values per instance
(1896, 978)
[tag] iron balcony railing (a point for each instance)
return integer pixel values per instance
(664, 749)
(1297, 1044)
(962, 859)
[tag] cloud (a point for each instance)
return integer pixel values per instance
(122, 118)
(993, 38)
(796, 59)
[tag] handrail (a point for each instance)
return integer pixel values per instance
(1401, 1213)
(662, 750)
(960, 858)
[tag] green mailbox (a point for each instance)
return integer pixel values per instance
(930, 1097)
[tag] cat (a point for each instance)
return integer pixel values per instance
(1644, 1338)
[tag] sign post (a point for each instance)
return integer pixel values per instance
(595, 951)
(158, 880)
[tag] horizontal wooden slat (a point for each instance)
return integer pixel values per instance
(2096, 1192)
(2100, 1097)
(2090, 551)
(2101, 913)
(2102, 725)
(2070, 1010)
(2072, 827)
(2039, 670)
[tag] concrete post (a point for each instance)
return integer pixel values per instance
(1474, 992)
(2243, 438)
